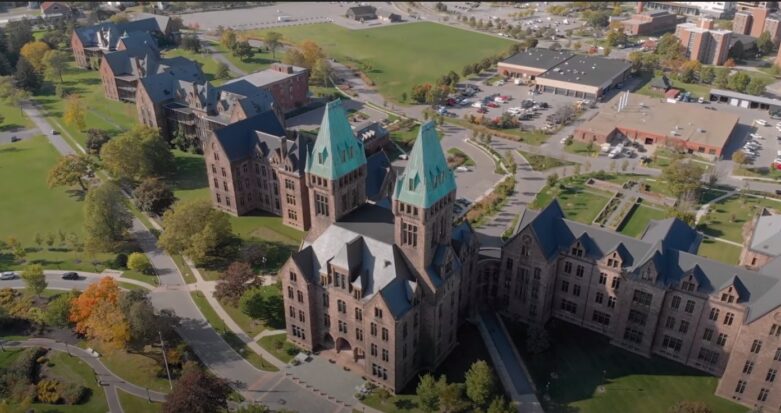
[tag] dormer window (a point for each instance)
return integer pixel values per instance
(411, 184)
(320, 158)
(647, 275)
(688, 286)
(577, 251)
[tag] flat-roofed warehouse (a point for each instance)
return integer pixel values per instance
(564, 73)
(649, 121)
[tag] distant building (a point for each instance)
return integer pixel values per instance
(715, 9)
(648, 23)
(388, 16)
(704, 43)
(55, 9)
(651, 122)
(660, 84)
(362, 13)
(761, 240)
(288, 84)
(373, 136)
(91, 42)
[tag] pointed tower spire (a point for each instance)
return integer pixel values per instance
(423, 203)
(335, 170)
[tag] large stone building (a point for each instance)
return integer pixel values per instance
(381, 287)
(653, 22)
(288, 84)
(703, 43)
(91, 42)
(761, 240)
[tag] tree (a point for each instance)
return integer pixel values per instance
(466, 71)
(688, 71)
(552, 179)
(137, 261)
(56, 61)
(616, 37)
(17, 34)
(500, 405)
(197, 391)
(222, 72)
(428, 394)
(26, 77)
(97, 314)
(707, 74)
(71, 170)
(195, 229)
(234, 281)
(58, 309)
(119, 18)
(765, 43)
(737, 51)
(321, 72)
(143, 325)
(739, 81)
(480, 383)
(154, 196)
(739, 157)
(264, 303)
(243, 50)
(75, 112)
(137, 154)
(451, 396)
(272, 40)
(598, 19)
(756, 86)
(228, 39)
(106, 218)
(34, 52)
(96, 138)
(688, 406)
(722, 78)
(682, 176)
(190, 42)
(34, 279)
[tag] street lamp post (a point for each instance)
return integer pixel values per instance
(165, 359)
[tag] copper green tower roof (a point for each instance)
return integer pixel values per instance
(426, 179)
(336, 151)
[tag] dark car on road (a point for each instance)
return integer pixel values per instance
(70, 276)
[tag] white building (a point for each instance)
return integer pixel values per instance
(716, 9)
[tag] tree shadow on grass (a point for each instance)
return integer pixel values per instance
(76, 194)
(190, 173)
(10, 149)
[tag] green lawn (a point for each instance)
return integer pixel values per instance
(11, 118)
(638, 221)
(578, 202)
(150, 279)
(719, 251)
(259, 61)
(542, 162)
(102, 113)
(727, 217)
(580, 148)
(464, 159)
(278, 346)
(405, 137)
(399, 56)
(697, 90)
(189, 278)
(28, 207)
(67, 369)
(139, 369)
(634, 384)
(250, 326)
(135, 404)
(232, 340)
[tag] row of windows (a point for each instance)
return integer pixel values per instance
(741, 387)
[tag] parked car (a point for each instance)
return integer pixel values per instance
(492, 105)
(482, 110)
(462, 169)
(761, 122)
(55, 132)
(15, 139)
(70, 276)
(8, 275)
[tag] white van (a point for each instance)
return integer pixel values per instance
(761, 122)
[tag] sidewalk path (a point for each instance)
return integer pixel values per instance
(110, 381)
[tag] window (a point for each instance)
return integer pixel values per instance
(225, 185)
(748, 367)
(615, 283)
(509, 264)
(216, 183)
(602, 278)
(290, 292)
(300, 296)
(321, 204)
(373, 350)
(771, 375)
(568, 267)
(670, 322)
(580, 270)
(301, 316)
(721, 340)
(637, 317)
(385, 355)
(763, 395)
(714, 314)
(728, 318)
(708, 356)
(565, 286)
(293, 277)
(633, 335)
(777, 357)
(756, 346)
(378, 312)
(642, 298)
(599, 297)
(289, 184)
(384, 334)
(569, 306)
(290, 199)
(611, 302)
(409, 234)
(359, 334)
(342, 327)
(358, 314)
(689, 307)
(684, 327)
(707, 335)
(672, 343)
(687, 286)
(292, 214)
(291, 312)
(327, 320)
(373, 329)
(741, 387)
(676, 302)
(341, 306)
(775, 330)
(601, 318)
(729, 298)
(577, 251)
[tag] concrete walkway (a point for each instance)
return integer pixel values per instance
(217, 56)
(106, 378)
(508, 363)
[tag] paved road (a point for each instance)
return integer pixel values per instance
(43, 125)
(5, 137)
(217, 56)
(106, 378)
(55, 281)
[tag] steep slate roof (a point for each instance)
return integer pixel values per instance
(766, 239)
(238, 139)
(671, 249)
(377, 170)
(336, 151)
(426, 178)
(89, 35)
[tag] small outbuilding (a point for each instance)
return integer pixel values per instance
(362, 13)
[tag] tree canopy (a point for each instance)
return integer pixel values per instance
(97, 314)
(106, 217)
(137, 154)
(195, 229)
(197, 391)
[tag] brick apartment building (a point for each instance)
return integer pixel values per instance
(90, 43)
(288, 84)
(754, 17)
(704, 43)
(652, 22)
(381, 288)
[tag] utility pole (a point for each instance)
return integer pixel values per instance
(165, 359)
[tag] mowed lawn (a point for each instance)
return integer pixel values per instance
(578, 202)
(719, 251)
(12, 118)
(29, 207)
(575, 363)
(727, 217)
(101, 113)
(638, 221)
(402, 55)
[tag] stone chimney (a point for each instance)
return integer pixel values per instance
(640, 7)
(706, 23)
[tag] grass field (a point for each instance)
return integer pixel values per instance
(135, 404)
(259, 61)
(102, 113)
(139, 369)
(542, 162)
(727, 217)
(28, 207)
(398, 56)
(278, 346)
(638, 221)
(11, 118)
(578, 202)
(633, 384)
(719, 251)
(67, 369)
(697, 90)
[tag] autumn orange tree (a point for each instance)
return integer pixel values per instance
(97, 314)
